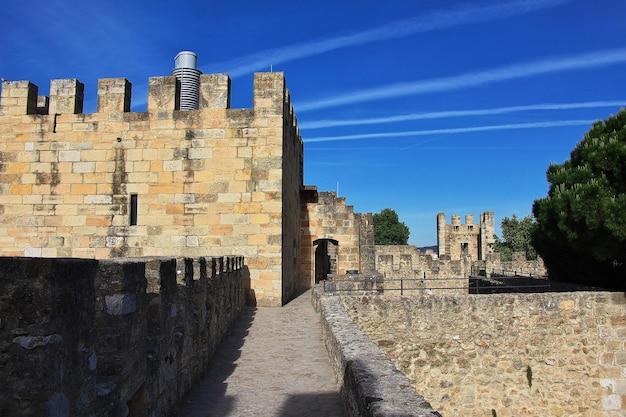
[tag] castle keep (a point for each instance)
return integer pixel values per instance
(458, 240)
(171, 182)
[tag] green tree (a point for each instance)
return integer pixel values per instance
(581, 224)
(516, 236)
(388, 229)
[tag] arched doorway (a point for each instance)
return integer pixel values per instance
(326, 251)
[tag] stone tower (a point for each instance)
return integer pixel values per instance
(458, 240)
(168, 181)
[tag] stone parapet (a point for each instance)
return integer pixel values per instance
(408, 262)
(82, 337)
(370, 384)
(505, 354)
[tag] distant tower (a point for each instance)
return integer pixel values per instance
(441, 234)
(189, 77)
(487, 232)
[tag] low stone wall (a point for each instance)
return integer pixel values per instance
(518, 265)
(361, 283)
(551, 354)
(370, 384)
(81, 337)
(407, 262)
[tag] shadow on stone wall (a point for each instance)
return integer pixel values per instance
(371, 385)
(81, 337)
(213, 385)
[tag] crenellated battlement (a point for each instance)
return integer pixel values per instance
(162, 182)
(114, 95)
(146, 311)
(458, 239)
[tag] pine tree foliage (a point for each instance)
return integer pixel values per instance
(388, 229)
(581, 224)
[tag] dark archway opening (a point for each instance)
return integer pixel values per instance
(326, 251)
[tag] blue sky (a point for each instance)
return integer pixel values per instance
(421, 106)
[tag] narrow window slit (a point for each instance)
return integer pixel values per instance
(133, 209)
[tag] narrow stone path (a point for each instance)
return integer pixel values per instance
(273, 364)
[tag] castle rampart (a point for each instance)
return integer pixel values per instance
(426, 271)
(505, 354)
(164, 182)
(397, 262)
(83, 337)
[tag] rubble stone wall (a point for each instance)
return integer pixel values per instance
(551, 354)
(370, 384)
(81, 337)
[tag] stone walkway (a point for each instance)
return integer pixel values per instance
(273, 364)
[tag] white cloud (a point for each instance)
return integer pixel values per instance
(319, 124)
(456, 130)
(436, 20)
(474, 79)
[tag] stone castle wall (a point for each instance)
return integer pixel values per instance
(164, 182)
(397, 262)
(326, 216)
(505, 355)
(423, 272)
(370, 383)
(367, 253)
(82, 337)
(519, 264)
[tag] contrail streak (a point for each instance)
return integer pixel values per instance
(474, 79)
(513, 126)
(435, 20)
(319, 124)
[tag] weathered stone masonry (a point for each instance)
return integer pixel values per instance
(215, 180)
(458, 240)
(166, 182)
(370, 384)
(407, 262)
(557, 354)
(81, 337)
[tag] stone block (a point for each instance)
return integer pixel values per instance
(163, 94)
(612, 402)
(82, 189)
(257, 239)
(83, 167)
(66, 96)
(172, 165)
(200, 153)
(69, 156)
(114, 95)
(19, 97)
(215, 91)
(98, 199)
